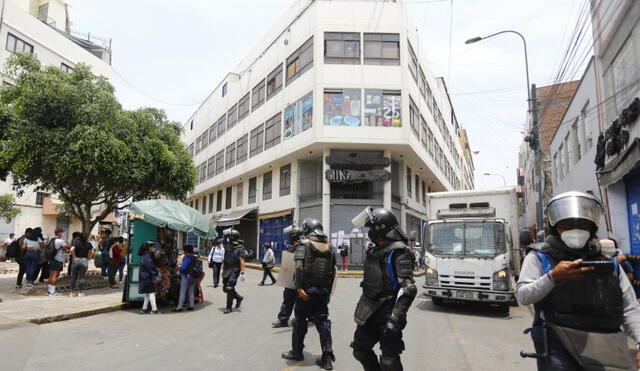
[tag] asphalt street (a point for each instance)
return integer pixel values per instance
(450, 337)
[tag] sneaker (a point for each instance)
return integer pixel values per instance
(261, 284)
(238, 301)
(292, 356)
(278, 324)
(326, 361)
(177, 310)
(154, 312)
(82, 294)
(191, 308)
(54, 294)
(143, 311)
(18, 287)
(227, 310)
(72, 294)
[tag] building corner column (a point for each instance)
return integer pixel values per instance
(326, 193)
(386, 198)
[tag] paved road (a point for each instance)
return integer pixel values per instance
(438, 338)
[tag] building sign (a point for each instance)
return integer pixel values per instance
(357, 176)
(298, 116)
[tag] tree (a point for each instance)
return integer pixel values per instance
(67, 133)
(8, 210)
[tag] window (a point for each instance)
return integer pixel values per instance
(253, 185)
(258, 95)
(342, 107)
(190, 203)
(40, 196)
(274, 82)
(266, 185)
(382, 108)
(272, 130)
(585, 136)
(220, 162)
(382, 49)
(342, 48)
(231, 156)
(417, 184)
(204, 204)
(66, 68)
(257, 141)
(210, 203)
(413, 62)
(423, 83)
(203, 171)
(213, 131)
(16, 44)
(423, 132)
(211, 167)
(225, 89)
(414, 117)
(197, 204)
(190, 149)
(576, 142)
(408, 183)
(205, 139)
(567, 155)
(300, 61)
(219, 200)
(424, 196)
(198, 142)
(232, 116)
(556, 168)
(239, 195)
(191, 124)
(285, 180)
(243, 107)
(241, 149)
(228, 195)
(298, 116)
(222, 125)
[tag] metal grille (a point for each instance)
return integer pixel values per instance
(482, 283)
(467, 238)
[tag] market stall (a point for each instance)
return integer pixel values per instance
(159, 222)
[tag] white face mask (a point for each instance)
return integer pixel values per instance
(575, 238)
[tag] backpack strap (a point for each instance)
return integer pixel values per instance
(616, 266)
(544, 259)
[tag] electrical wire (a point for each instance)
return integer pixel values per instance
(158, 99)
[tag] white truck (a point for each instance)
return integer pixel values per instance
(471, 246)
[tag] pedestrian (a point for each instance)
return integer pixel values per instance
(21, 260)
(11, 238)
(105, 245)
(268, 262)
(417, 251)
(33, 249)
(186, 281)
(216, 256)
(287, 269)
(344, 256)
(388, 289)
(123, 258)
(315, 273)
(147, 278)
(114, 262)
(576, 303)
(81, 252)
(198, 294)
(44, 269)
(233, 268)
(57, 263)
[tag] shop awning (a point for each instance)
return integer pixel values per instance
(621, 166)
(234, 218)
(173, 215)
(275, 214)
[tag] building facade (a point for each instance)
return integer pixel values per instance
(43, 28)
(327, 115)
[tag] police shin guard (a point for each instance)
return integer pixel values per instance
(367, 358)
(390, 363)
(230, 297)
(297, 337)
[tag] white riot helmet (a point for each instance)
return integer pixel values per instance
(579, 212)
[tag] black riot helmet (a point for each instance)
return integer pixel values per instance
(312, 227)
(381, 223)
(294, 233)
(232, 234)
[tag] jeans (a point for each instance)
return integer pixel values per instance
(216, 272)
(78, 270)
(186, 288)
(121, 269)
(32, 257)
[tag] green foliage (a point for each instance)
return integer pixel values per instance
(8, 210)
(66, 132)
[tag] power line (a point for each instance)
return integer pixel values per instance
(161, 100)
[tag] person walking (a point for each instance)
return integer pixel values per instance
(33, 249)
(233, 268)
(21, 260)
(44, 269)
(268, 262)
(216, 256)
(114, 262)
(286, 277)
(81, 252)
(187, 282)
(123, 258)
(147, 277)
(344, 256)
(57, 263)
(105, 246)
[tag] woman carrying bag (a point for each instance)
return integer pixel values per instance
(148, 275)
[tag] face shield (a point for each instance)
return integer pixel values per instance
(574, 205)
(288, 229)
(227, 231)
(363, 218)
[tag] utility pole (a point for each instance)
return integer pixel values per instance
(537, 148)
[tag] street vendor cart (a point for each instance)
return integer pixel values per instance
(159, 222)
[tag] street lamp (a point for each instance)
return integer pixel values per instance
(533, 108)
(504, 181)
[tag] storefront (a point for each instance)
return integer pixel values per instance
(271, 226)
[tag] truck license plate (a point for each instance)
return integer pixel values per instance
(464, 294)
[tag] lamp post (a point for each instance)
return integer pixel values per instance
(504, 181)
(534, 138)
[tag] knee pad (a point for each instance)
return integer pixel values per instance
(390, 363)
(363, 354)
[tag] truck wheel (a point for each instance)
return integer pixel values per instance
(437, 301)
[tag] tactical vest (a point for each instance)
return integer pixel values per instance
(232, 256)
(319, 269)
(592, 303)
(379, 278)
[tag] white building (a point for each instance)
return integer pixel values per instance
(43, 27)
(335, 109)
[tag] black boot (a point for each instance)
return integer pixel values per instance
(238, 300)
(326, 361)
(229, 304)
(367, 358)
(278, 324)
(390, 363)
(293, 356)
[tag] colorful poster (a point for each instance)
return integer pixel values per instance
(382, 109)
(298, 116)
(343, 107)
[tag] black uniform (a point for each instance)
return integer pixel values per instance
(233, 252)
(387, 293)
(288, 296)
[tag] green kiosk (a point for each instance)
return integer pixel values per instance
(159, 221)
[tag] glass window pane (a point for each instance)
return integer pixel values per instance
(11, 43)
(343, 108)
(372, 50)
(390, 50)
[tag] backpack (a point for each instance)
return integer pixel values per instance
(50, 251)
(13, 250)
(344, 252)
(195, 270)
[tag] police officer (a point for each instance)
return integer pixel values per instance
(388, 290)
(579, 294)
(314, 276)
(289, 295)
(232, 267)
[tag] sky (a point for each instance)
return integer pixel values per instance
(171, 54)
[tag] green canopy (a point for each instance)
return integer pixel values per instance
(173, 215)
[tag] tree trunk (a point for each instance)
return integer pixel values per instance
(86, 223)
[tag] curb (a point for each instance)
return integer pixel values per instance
(86, 313)
(340, 273)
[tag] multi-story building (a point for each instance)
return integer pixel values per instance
(335, 109)
(616, 34)
(43, 28)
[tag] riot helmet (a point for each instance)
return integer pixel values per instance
(381, 223)
(577, 214)
(294, 233)
(231, 234)
(312, 227)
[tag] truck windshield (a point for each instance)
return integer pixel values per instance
(485, 239)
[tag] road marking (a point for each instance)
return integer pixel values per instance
(291, 368)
